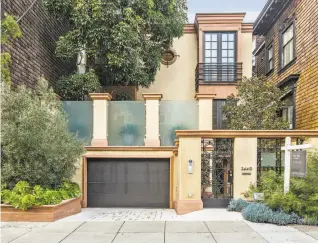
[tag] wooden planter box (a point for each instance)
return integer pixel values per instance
(45, 213)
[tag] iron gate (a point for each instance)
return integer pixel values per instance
(217, 172)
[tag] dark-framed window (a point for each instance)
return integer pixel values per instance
(219, 55)
(220, 122)
(269, 58)
(287, 43)
(288, 110)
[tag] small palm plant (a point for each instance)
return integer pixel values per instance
(129, 133)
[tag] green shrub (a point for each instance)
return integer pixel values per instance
(5, 196)
(122, 96)
(302, 198)
(237, 205)
(260, 213)
(37, 146)
(23, 196)
(52, 197)
(77, 87)
(288, 202)
(69, 190)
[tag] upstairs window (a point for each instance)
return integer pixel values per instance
(219, 55)
(269, 60)
(287, 46)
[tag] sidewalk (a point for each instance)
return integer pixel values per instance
(179, 230)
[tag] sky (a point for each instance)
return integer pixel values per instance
(252, 8)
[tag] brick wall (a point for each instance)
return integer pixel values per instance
(260, 62)
(306, 64)
(33, 54)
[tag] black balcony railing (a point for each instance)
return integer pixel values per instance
(208, 73)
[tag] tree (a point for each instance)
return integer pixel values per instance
(123, 39)
(256, 106)
(77, 87)
(36, 145)
(9, 31)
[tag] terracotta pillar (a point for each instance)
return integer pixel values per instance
(189, 182)
(100, 120)
(205, 110)
(152, 119)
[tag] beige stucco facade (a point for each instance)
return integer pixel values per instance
(247, 54)
(205, 103)
(245, 155)
(176, 81)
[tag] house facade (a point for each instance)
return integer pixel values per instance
(33, 55)
(167, 148)
(287, 55)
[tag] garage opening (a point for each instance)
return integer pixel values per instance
(118, 182)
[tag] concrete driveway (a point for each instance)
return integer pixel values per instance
(154, 231)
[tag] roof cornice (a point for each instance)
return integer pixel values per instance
(247, 28)
(188, 29)
(219, 18)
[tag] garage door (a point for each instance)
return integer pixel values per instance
(128, 183)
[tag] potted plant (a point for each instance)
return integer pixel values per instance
(129, 133)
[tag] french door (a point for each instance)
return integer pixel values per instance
(219, 56)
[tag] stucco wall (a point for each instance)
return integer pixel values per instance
(245, 155)
(177, 81)
(189, 184)
(247, 54)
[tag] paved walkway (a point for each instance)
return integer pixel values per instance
(135, 231)
(137, 214)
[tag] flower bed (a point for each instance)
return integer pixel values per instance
(45, 213)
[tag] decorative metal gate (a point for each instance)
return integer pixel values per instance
(269, 147)
(217, 171)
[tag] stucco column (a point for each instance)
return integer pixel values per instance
(152, 119)
(100, 120)
(189, 182)
(205, 110)
(245, 155)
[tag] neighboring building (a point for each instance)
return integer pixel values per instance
(214, 53)
(288, 56)
(33, 55)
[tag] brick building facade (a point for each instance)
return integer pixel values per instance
(33, 55)
(288, 56)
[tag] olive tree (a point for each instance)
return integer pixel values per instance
(37, 146)
(256, 106)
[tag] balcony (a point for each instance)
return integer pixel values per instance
(217, 74)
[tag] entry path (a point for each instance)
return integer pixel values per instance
(146, 228)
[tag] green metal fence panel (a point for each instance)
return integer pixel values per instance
(80, 118)
(127, 123)
(176, 115)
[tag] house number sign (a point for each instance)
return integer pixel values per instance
(246, 170)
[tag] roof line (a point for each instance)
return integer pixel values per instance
(223, 13)
(259, 48)
(264, 10)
